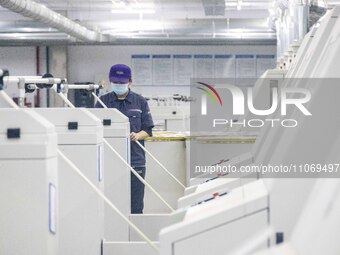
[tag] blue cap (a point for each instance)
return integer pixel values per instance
(120, 73)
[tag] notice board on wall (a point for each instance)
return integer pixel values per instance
(178, 69)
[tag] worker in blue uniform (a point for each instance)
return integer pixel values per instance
(136, 108)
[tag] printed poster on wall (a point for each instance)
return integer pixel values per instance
(225, 66)
(245, 70)
(245, 66)
(203, 66)
(162, 72)
(141, 69)
(263, 63)
(183, 69)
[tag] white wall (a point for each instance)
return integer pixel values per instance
(92, 63)
(18, 60)
(22, 61)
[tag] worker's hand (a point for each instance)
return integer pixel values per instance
(138, 136)
(135, 136)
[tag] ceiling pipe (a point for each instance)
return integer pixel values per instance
(53, 19)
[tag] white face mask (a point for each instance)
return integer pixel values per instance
(120, 88)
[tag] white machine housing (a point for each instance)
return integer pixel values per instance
(276, 146)
(29, 189)
(171, 118)
(80, 138)
(213, 224)
(117, 174)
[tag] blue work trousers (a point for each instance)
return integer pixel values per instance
(137, 191)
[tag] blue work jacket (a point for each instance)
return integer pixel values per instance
(136, 108)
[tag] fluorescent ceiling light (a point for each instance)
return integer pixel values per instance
(119, 3)
(239, 5)
(127, 6)
(138, 11)
(134, 25)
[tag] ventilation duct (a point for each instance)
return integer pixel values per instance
(53, 19)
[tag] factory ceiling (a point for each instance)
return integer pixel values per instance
(140, 21)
